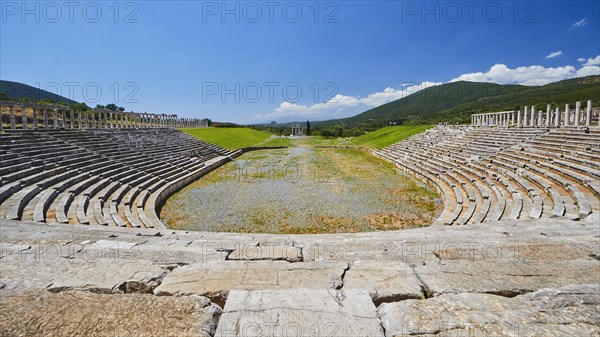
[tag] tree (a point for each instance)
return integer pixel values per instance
(307, 128)
(45, 101)
(112, 107)
(3, 97)
(80, 107)
(121, 109)
(100, 106)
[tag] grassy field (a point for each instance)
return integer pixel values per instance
(230, 138)
(235, 138)
(303, 190)
(388, 135)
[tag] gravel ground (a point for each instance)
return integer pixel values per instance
(302, 190)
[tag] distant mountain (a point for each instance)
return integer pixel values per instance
(455, 102)
(17, 91)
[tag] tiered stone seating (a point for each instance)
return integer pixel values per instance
(491, 174)
(99, 176)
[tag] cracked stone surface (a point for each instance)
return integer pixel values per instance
(267, 252)
(572, 310)
(385, 281)
(301, 312)
(79, 313)
(511, 258)
(506, 278)
(99, 275)
(216, 279)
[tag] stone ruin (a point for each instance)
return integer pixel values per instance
(515, 251)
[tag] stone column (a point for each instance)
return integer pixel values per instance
(24, 118)
(540, 116)
(548, 115)
(35, 119)
(512, 118)
(12, 118)
(55, 115)
(525, 113)
(588, 114)
(519, 119)
(64, 119)
(567, 115)
(557, 116)
(577, 112)
(45, 116)
(533, 116)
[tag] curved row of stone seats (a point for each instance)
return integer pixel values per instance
(91, 177)
(490, 174)
(478, 195)
(562, 173)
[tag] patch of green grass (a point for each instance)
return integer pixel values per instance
(387, 136)
(230, 138)
(277, 141)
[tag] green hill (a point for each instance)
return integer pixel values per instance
(230, 138)
(18, 91)
(388, 135)
(455, 102)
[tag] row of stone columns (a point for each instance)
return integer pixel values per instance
(504, 118)
(55, 118)
(534, 118)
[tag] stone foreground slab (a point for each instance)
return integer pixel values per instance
(301, 312)
(79, 313)
(506, 278)
(567, 311)
(98, 275)
(216, 279)
(385, 281)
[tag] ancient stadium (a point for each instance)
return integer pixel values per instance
(511, 248)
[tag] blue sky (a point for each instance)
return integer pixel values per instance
(251, 62)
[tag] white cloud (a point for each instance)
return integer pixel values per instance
(341, 105)
(594, 61)
(554, 54)
(391, 94)
(588, 71)
(581, 23)
(532, 75)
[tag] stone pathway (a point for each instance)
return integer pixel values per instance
(538, 276)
